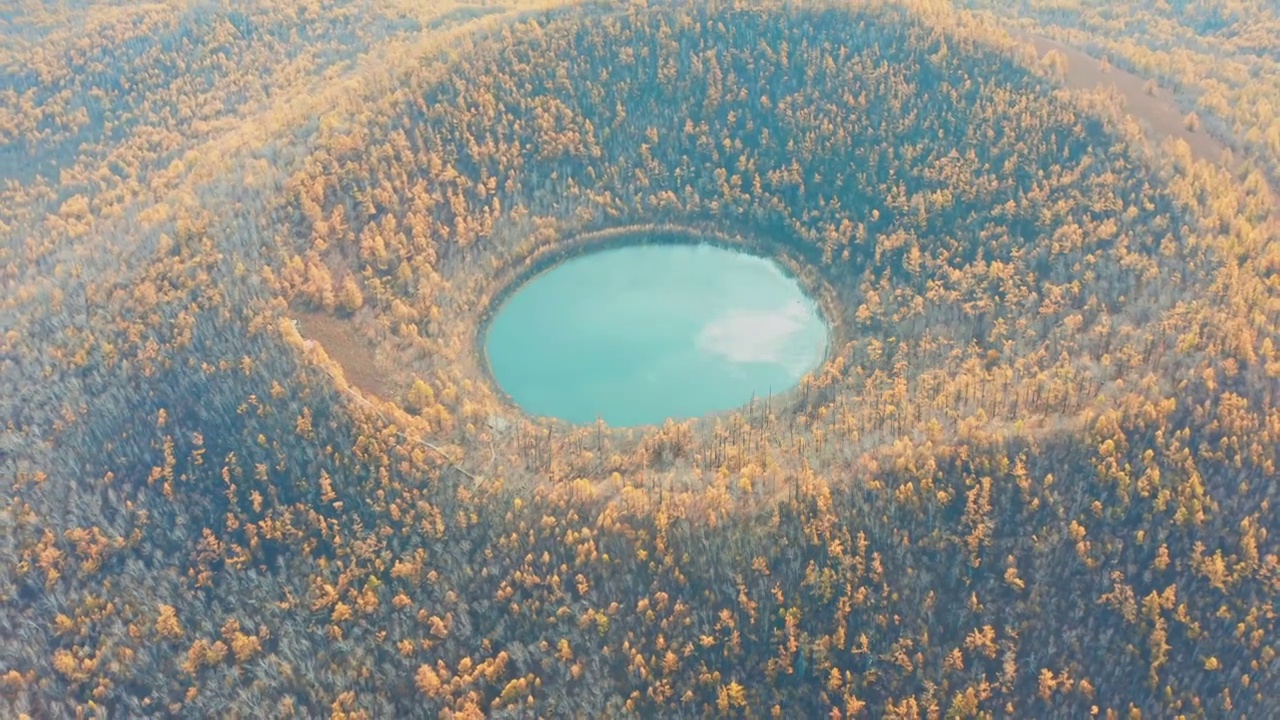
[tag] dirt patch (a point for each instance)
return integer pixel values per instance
(357, 356)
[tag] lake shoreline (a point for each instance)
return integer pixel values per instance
(516, 274)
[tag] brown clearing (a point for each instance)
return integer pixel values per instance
(357, 357)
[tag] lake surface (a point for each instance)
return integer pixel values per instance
(638, 334)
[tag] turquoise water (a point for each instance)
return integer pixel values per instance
(638, 334)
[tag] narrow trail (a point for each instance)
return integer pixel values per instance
(1159, 113)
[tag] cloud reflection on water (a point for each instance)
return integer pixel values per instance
(762, 336)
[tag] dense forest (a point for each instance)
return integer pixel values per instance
(1033, 478)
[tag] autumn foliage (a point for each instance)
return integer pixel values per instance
(1034, 478)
